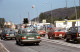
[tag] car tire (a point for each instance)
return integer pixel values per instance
(67, 39)
(52, 37)
(20, 43)
(48, 37)
(75, 41)
(43, 35)
(17, 42)
(4, 38)
(1, 38)
(37, 43)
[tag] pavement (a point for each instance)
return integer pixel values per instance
(60, 42)
(43, 47)
(46, 45)
(2, 48)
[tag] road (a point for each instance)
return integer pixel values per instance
(43, 47)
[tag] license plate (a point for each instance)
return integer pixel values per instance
(11, 34)
(31, 38)
(60, 35)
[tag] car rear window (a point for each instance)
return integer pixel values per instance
(31, 31)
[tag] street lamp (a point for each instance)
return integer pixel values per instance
(33, 6)
(75, 9)
(66, 3)
(51, 12)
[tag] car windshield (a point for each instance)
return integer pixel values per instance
(31, 31)
(75, 29)
(41, 29)
(79, 29)
(59, 30)
(10, 31)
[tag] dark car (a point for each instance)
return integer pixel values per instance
(0, 32)
(7, 34)
(73, 34)
(25, 36)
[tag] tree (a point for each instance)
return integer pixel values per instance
(42, 16)
(2, 21)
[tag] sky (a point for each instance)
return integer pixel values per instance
(17, 10)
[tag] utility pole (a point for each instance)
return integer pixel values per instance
(75, 9)
(79, 3)
(28, 17)
(51, 13)
(79, 9)
(66, 3)
(75, 12)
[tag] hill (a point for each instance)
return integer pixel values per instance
(58, 14)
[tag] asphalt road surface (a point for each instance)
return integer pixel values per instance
(43, 47)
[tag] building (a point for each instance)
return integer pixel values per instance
(67, 23)
(9, 25)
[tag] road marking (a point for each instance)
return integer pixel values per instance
(60, 42)
(4, 47)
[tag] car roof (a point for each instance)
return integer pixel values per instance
(26, 28)
(76, 26)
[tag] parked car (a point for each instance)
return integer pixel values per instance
(0, 32)
(7, 34)
(56, 33)
(41, 32)
(73, 34)
(24, 36)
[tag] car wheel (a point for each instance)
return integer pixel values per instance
(20, 43)
(4, 38)
(75, 41)
(52, 37)
(67, 40)
(17, 42)
(48, 37)
(43, 35)
(37, 43)
(1, 38)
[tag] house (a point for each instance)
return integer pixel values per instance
(67, 23)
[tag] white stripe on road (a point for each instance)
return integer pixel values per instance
(60, 42)
(4, 47)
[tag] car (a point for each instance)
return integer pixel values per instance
(7, 34)
(0, 32)
(42, 32)
(56, 33)
(24, 36)
(73, 34)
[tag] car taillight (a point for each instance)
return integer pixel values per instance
(77, 34)
(7, 34)
(38, 37)
(23, 38)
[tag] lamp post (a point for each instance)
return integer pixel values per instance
(33, 6)
(79, 9)
(75, 9)
(66, 3)
(51, 12)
